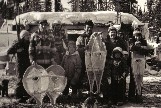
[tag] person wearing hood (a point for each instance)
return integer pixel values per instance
(20, 47)
(72, 65)
(118, 74)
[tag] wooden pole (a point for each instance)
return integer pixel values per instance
(77, 5)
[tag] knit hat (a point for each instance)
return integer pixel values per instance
(24, 33)
(89, 22)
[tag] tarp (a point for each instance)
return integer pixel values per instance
(102, 17)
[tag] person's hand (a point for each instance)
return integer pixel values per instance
(124, 75)
(54, 63)
(86, 47)
(54, 49)
(94, 34)
(33, 63)
(20, 50)
(109, 80)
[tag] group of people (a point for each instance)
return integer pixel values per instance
(40, 48)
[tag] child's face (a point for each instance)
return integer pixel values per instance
(72, 48)
(117, 55)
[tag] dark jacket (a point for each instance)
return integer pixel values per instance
(118, 71)
(111, 45)
(21, 49)
(139, 49)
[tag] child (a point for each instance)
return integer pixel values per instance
(118, 71)
(72, 65)
(4, 86)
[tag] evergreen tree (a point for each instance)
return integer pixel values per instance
(124, 5)
(58, 6)
(103, 5)
(48, 5)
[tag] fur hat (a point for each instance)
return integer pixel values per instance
(56, 22)
(24, 33)
(89, 22)
(43, 22)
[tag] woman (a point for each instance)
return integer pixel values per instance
(20, 48)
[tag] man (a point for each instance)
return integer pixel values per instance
(41, 48)
(82, 42)
(21, 49)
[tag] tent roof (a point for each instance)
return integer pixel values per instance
(79, 17)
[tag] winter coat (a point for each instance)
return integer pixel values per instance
(139, 49)
(118, 71)
(21, 48)
(41, 48)
(111, 45)
(72, 66)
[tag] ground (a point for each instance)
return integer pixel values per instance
(151, 87)
(151, 92)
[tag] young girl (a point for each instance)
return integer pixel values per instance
(118, 70)
(72, 65)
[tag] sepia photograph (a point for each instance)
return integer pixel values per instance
(80, 53)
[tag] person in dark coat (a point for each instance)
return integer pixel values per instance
(118, 74)
(20, 48)
(111, 42)
(5, 83)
